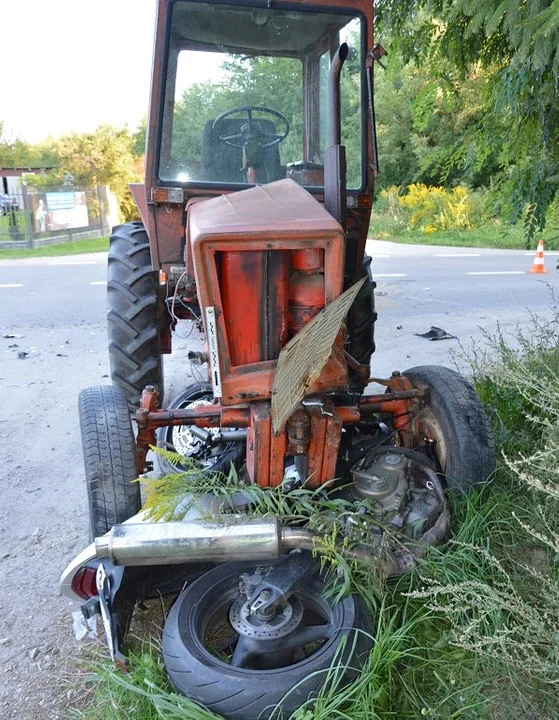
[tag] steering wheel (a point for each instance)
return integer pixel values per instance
(250, 131)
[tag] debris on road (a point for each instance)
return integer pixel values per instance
(24, 354)
(436, 333)
(12, 336)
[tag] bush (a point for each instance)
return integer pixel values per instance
(431, 209)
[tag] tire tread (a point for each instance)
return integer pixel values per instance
(109, 457)
(455, 401)
(133, 313)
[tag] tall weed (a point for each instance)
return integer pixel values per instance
(504, 606)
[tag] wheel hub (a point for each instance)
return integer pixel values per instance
(286, 618)
(187, 444)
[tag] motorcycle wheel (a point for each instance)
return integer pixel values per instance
(181, 440)
(235, 674)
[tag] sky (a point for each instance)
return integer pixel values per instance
(72, 65)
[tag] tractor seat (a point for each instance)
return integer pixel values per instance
(223, 163)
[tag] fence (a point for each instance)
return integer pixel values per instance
(30, 217)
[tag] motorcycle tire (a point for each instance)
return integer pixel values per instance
(167, 437)
(239, 693)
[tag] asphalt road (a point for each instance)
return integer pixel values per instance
(55, 308)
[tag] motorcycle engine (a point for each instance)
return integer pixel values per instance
(401, 492)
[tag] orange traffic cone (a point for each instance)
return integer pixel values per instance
(538, 265)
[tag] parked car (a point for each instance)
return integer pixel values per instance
(8, 203)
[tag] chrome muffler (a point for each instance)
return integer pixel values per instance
(197, 541)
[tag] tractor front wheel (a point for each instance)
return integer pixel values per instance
(453, 427)
(109, 453)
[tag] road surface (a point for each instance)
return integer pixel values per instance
(55, 308)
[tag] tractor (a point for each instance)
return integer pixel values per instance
(260, 164)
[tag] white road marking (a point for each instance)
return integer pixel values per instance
(380, 257)
(378, 275)
(498, 272)
(99, 282)
(453, 255)
(11, 285)
(58, 264)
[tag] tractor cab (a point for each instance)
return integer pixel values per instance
(246, 94)
(241, 96)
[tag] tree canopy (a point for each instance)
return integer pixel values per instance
(515, 46)
(470, 97)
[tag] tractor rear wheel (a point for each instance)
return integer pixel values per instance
(109, 453)
(454, 427)
(362, 321)
(133, 313)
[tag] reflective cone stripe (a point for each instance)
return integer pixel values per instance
(538, 265)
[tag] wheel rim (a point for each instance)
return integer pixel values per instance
(430, 432)
(308, 625)
(181, 440)
(188, 445)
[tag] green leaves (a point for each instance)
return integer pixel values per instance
(514, 140)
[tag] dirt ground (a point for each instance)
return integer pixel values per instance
(43, 509)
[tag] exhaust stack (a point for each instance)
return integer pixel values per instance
(334, 154)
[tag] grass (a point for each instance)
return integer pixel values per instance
(76, 247)
(490, 235)
(473, 632)
(6, 220)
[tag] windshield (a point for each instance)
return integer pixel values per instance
(246, 98)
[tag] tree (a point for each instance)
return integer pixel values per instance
(517, 45)
(105, 156)
(15, 152)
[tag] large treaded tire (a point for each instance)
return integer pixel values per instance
(466, 441)
(241, 694)
(109, 453)
(133, 313)
(362, 320)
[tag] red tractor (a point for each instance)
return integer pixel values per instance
(255, 217)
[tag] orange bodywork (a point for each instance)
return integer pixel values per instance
(260, 228)
(261, 263)
(266, 260)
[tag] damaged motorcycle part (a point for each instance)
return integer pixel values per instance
(191, 444)
(276, 586)
(107, 618)
(241, 666)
